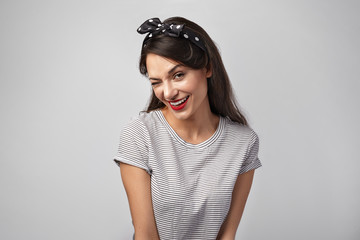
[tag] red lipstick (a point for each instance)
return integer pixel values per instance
(180, 106)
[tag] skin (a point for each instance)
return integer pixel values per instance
(137, 186)
(194, 123)
(173, 81)
(239, 196)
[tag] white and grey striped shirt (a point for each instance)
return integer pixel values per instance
(191, 184)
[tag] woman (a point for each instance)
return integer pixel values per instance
(187, 163)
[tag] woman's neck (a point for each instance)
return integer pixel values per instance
(195, 129)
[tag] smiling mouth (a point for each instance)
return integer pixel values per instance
(179, 102)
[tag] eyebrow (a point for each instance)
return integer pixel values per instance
(169, 72)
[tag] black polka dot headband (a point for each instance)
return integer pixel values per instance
(154, 26)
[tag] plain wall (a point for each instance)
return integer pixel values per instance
(69, 82)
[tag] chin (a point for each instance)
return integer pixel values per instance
(184, 115)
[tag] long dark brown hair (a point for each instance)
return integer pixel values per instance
(221, 98)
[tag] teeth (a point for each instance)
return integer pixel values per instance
(179, 102)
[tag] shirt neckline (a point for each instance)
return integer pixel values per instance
(203, 144)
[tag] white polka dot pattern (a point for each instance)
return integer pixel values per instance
(154, 27)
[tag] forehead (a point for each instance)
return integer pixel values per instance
(156, 64)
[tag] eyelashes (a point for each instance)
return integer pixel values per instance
(179, 75)
(176, 76)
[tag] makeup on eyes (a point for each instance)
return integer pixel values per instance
(179, 75)
(176, 76)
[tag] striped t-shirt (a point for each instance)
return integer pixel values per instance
(191, 184)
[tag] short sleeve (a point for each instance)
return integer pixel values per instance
(251, 160)
(133, 147)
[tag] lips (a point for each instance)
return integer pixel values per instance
(179, 104)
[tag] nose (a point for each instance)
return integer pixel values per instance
(170, 92)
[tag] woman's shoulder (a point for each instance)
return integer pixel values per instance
(141, 122)
(239, 130)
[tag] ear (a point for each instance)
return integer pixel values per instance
(208, 71)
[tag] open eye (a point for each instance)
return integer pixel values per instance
(179, 75)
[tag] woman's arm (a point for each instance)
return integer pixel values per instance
(137, 186)
(238, 201)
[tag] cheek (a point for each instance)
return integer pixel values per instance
(201, 87)
(193, 85)
(158, 93)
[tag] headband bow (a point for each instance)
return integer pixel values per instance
(154, 26)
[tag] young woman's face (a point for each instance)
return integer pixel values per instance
(183, 90)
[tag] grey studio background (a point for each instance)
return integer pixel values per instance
(69, 82)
